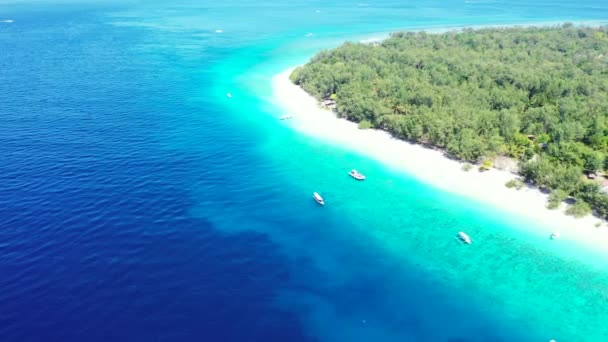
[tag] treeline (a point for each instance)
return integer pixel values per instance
(539, 95)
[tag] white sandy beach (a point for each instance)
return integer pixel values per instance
(431, 167)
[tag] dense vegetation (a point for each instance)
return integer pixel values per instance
(539, 95)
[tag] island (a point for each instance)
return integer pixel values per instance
(532, 98)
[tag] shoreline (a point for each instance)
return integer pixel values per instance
(432, 167)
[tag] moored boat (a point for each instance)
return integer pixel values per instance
(318, 198)
(356, 175)
(464, 237)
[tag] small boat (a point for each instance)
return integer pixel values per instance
(219, 31)
(229, 95)
(318, 198)
(286, 117)
(356, 175)
(464, 237)
(555, 235)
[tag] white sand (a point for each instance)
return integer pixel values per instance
(430, 166)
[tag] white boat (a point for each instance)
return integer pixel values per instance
(464, 237)
(555, 235)
(356, 175)
(229, 95)
(318, 198)
(286, 117)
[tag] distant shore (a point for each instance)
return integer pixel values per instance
(432, 167)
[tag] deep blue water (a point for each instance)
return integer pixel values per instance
(138, 204)
(96, 240)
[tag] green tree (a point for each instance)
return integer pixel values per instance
(579, 209)
(556, 197)
(486, 165)
(466, 145)
(593, 161)
(365, 124)
(515, 183)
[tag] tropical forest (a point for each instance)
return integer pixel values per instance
(537, 95)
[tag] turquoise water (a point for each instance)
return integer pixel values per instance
(134, 187)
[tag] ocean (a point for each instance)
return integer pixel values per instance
(138, 202)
